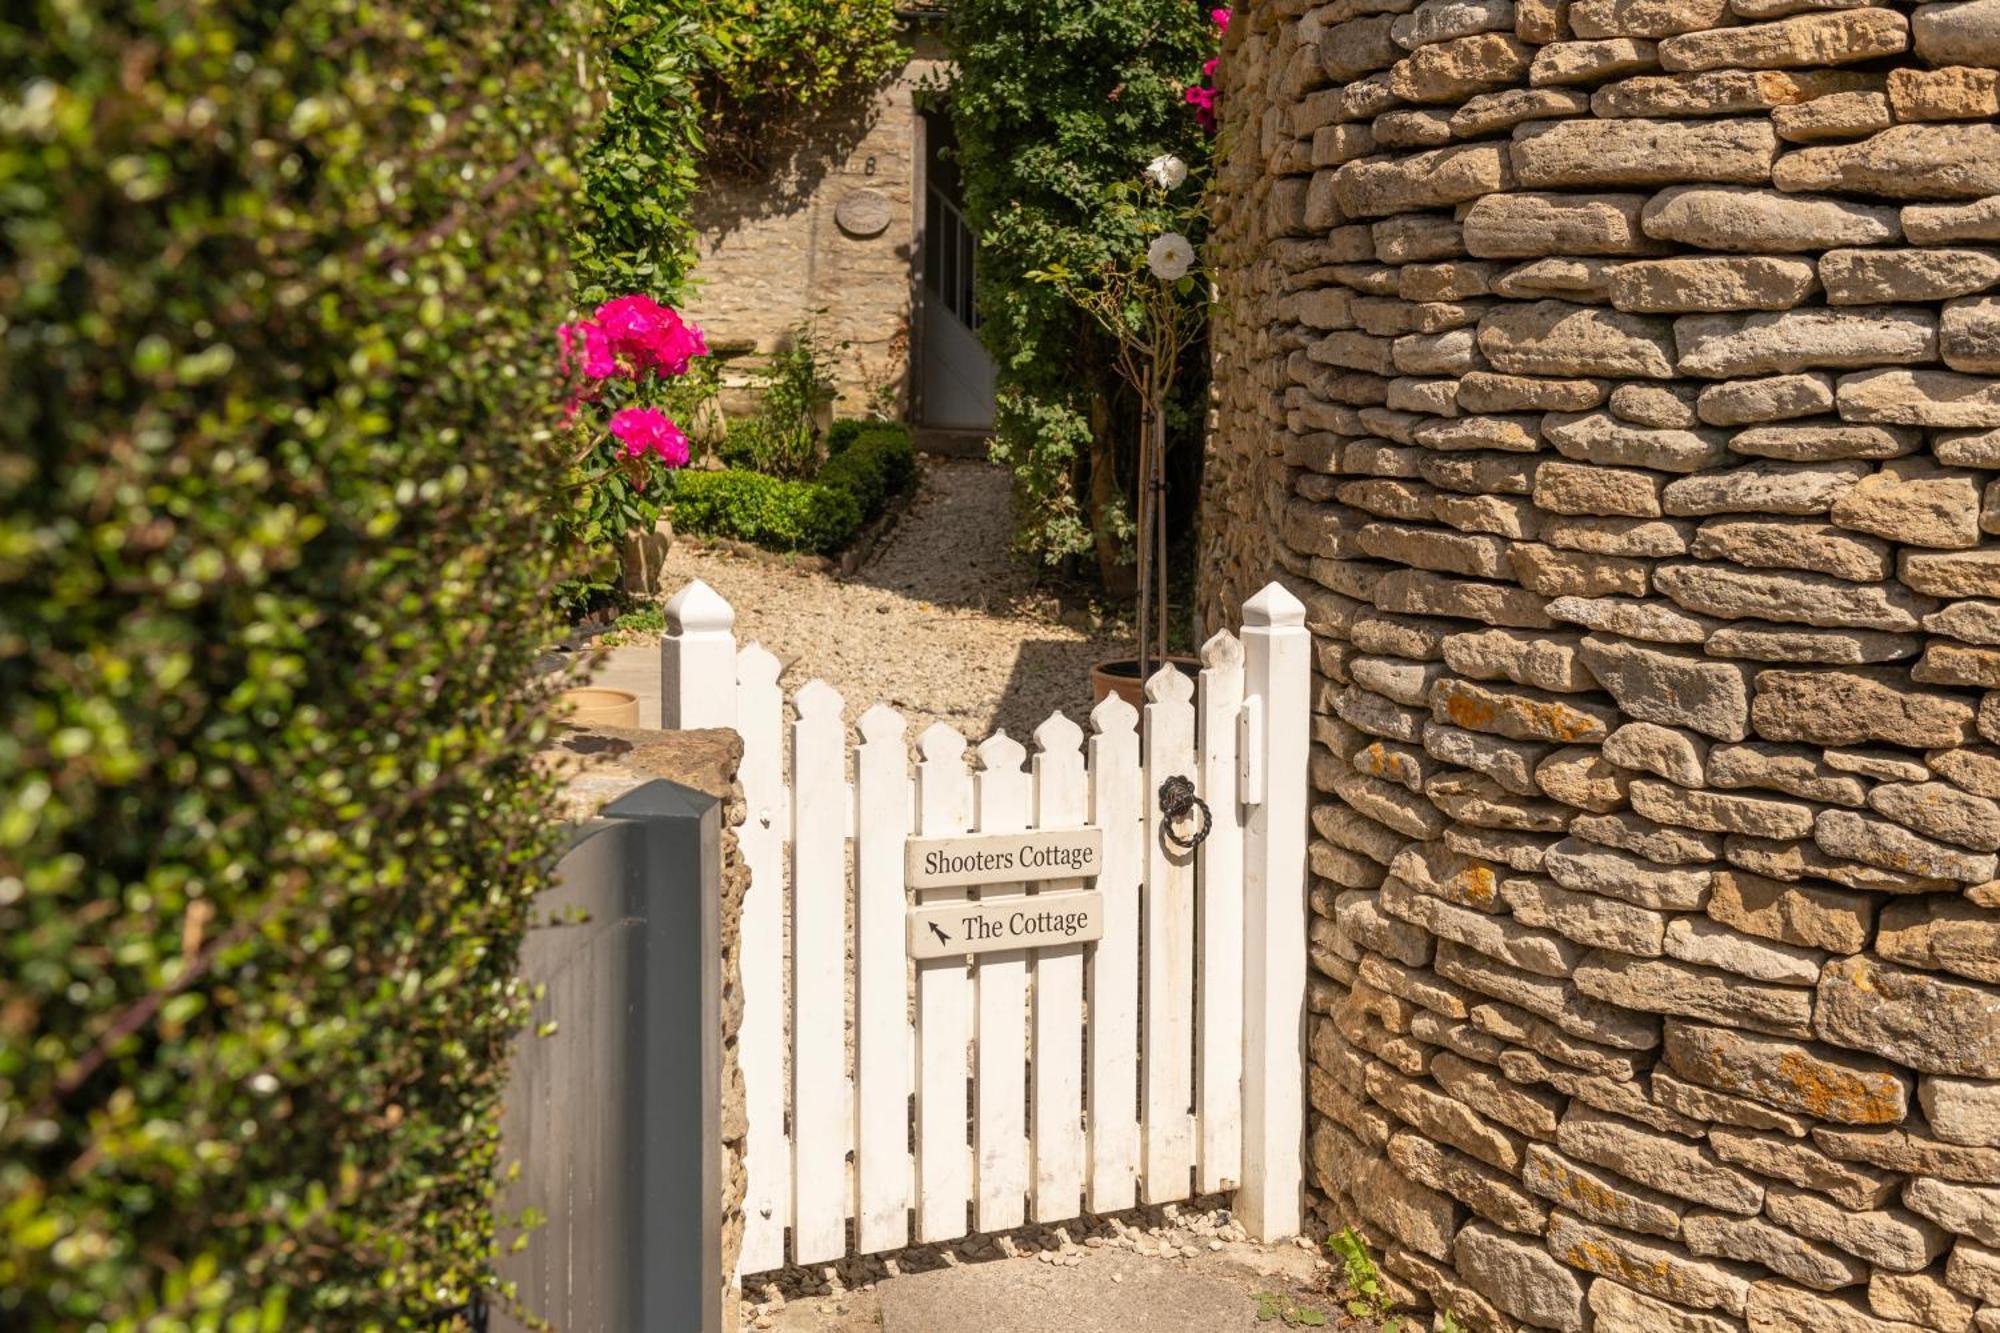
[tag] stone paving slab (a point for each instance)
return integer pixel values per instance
(1126, 1281)
(1109, 1296)
(634, 667)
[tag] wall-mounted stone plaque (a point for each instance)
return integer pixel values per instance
(863, 213)
(1042, 920)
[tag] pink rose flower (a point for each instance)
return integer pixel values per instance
(627, 339)
(648, 430)
(1221, 17)
(672, 352)
(650, 336)
(635, 321)
(585, 346)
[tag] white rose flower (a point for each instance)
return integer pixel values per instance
(1169, 256)
(1166, 171)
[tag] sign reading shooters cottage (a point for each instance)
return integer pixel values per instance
(942, 930)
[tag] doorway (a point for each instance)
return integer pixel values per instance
(954, 372)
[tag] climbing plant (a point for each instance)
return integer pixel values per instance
(645, 67)
(1058, 109)
(772, 62)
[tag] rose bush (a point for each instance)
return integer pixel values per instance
(631, 348)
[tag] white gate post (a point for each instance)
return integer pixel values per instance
(698, 661)
(1277, 652)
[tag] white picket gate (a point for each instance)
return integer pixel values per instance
(1164, 1060)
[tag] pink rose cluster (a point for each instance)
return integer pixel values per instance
(1201, 96)
(632, 337)
(648, 430)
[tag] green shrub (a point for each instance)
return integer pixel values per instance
(642, 166)
(280, 283)
(878, 464)
(791, 389)
(821, 516)
(769, 511)
(841, 434)
(741, 444)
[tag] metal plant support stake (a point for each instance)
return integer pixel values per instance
(1149, 360)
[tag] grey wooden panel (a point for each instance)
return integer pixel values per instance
(615, 1119)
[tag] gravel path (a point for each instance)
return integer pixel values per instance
(940, 623)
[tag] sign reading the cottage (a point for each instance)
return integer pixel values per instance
(948, 930)
(1003, 858)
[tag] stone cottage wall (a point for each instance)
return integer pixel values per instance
(778, 251)
(1615, 382)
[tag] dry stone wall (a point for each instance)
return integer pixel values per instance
(1618, 382)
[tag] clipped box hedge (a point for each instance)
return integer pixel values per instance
(867, 464)
(768, 511)
(280, 283)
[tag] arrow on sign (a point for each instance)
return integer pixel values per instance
(935, 930)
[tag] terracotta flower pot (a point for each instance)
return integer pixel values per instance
(1120, 676)
(595, 706)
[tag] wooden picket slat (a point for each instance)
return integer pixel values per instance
(767, 1157)
(999, 1129)
(944, 1009)
(1219, 885)
(1113, 965)
(1167, 1125)
(1056, 1137)
(821, 1118)
(881, 1023)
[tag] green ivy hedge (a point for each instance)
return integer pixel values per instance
(872, 463)
(280, 281)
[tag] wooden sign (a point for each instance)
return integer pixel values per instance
(947, 930)
(1003, 858)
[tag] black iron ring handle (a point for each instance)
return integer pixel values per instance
(1177, 798)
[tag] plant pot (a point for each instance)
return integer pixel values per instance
(1120, 676)
(595, 706)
